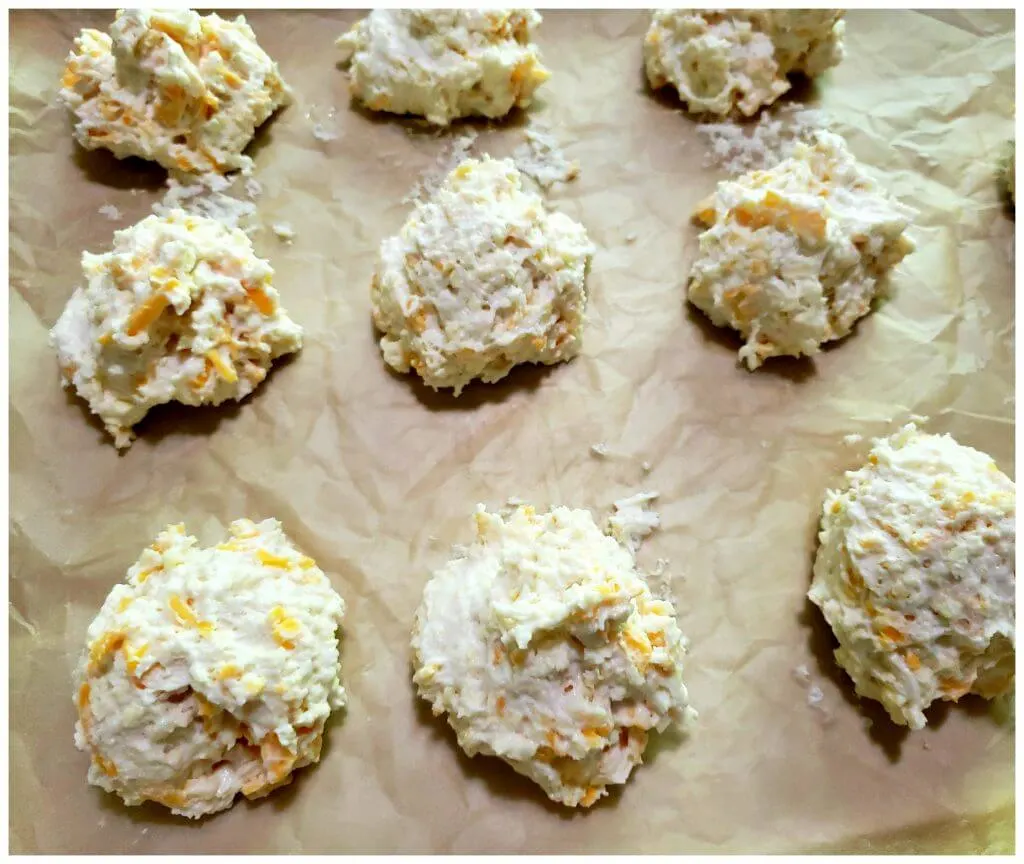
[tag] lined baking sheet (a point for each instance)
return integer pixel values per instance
(375, 476)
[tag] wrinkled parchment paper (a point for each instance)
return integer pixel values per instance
(375, 476)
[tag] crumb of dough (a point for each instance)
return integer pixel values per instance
(109, 211)
(633, 521)
(443, 64)
(180, 310)
(480, 278)
(645, 467)
(210, 671)
(915, 574)
(545, 647)
(852, 438)
(253, 188)
(739, 147)
(726, 62)
(600, 449)
(542, 160)
(452, 156)
(792, 257)
(284, 232)
(206, 195)
(324, 122)
(184, 90)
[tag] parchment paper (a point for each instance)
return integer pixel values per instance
(375, 477)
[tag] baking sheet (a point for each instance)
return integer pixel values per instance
(375, 476)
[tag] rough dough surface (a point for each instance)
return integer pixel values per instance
(915, 574)
(210, 672)
(180, 310)
(184, 90)
(793, 256)
(723, 62)
(544, 646)
(443, 64)
(481, 277)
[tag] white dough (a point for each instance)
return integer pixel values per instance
(722, 62)
(481, 277)
(545, 647)
(180, 310)
(184, 90)
(209, 672)
(444, 64)
(915, 574)
(793, 256)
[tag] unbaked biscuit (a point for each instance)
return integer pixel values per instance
(443, 64)
(481, 277)
(180, 310)
(184, 90)
(722, 62)
(210, 672)
(915, 574)
(793, 256)
(543, 645)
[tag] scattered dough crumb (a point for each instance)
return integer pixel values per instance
(324, 122)
(792, 257)
(210, 672)
(739, 61)
(633, 521)
(600, 449)
(741, 147)
(453, 155)
(543, 160)
(284, 232)
(109, 211)
(814, 695)
(205, 195)
(631, 238)
(184, 90)
(915, 574)
(253, 188)
(645, 467)
(544, 646)
(443, 64)
(852, 438)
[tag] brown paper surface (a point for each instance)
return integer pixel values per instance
(375, 476)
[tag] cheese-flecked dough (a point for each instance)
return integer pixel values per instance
(210, 671)
(793, 256)
(481, 277)
(545, 647)
(443, 64)
(724, 62)
(915, 574)
(180, 310)
(184, 90)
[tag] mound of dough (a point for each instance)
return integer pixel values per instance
(443, 64)
(184, 90)
(545, 647)
(793, 256)
(915, 574)
(210, 672)
(722, 62)
(180, 310)
(481, 277)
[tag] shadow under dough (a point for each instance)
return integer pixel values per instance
(796, 369)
